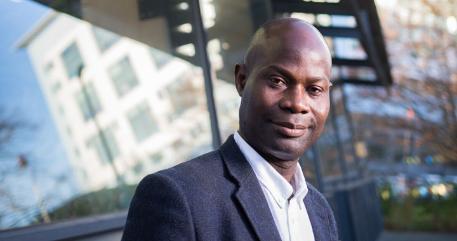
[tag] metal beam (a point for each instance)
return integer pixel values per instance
(311, 7)
(339, 142)
(351, 62)
(339, 32)
(367, 41)
(367, 82)
(202, 56)
(68, 230)
(180, 38)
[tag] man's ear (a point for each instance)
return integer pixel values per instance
(240, 78)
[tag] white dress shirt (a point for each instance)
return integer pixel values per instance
(285, 200)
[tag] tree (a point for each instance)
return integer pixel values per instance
(422, 44)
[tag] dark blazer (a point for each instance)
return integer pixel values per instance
(214, 197)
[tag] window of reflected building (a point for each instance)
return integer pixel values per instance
(141, 121)
(123, 76)
(72, 60)
(104, 38)
(105, 145)
(88, 101)
(160, 58)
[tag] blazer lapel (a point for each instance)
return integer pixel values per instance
(317, 219)
(249, 194)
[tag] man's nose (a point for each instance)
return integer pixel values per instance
(295, 100)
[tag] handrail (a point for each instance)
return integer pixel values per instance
(71, 229)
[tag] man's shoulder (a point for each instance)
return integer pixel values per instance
(193, 174)
(195, 166)
(316, 198)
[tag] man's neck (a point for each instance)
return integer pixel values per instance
(285, 168)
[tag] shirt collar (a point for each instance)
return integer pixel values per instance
(280, 189)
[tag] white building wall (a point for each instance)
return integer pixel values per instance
(175, 139)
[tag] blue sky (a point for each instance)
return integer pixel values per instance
(21, 99)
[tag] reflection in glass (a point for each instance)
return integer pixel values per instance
(141, 121)
(72, 60)
(123, 76)
(160, 58)
(104, 38)
(96, 143)
(88, 108)
(135, 109)
(229, 26)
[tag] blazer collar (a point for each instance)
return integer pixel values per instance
(249, 193)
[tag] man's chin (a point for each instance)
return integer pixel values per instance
(289, 148)
(283, 153)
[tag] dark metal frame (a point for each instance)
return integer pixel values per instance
(68, 230)
(367, 31)
(202, 55)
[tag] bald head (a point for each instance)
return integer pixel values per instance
(286, 33)
(284, 85)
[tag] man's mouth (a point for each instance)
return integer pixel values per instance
(290, 129)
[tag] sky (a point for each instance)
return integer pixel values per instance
(21, 99)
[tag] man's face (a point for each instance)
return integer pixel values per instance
(285, 99)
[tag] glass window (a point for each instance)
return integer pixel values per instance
(123, 76)
(88, 102)
(160, 58)
(105, 39)
(156, 157)
(48, 67)
(56, 86)
(72, 60)
(105, 145)
(76, 172)
(182, 95)
(229, 30)
(141, 121)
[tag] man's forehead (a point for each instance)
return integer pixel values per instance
(286, 39)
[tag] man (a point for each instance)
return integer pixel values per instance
(252, 187)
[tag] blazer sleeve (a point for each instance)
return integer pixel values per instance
(158, 211)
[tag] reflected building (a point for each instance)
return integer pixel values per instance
(123, 109)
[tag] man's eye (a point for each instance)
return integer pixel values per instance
(314, 90)
(277, 81)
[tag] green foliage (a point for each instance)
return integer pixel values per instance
(94, 203)
(434, 213)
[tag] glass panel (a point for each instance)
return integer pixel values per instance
(141, 121)
(104, 38)
(105, 145)
(230, 25)
(160, 58)
(181, 94)
(348, 48)
(72, 60)
(328, 151)
(88, 101)
(123, 76)
(60, 158)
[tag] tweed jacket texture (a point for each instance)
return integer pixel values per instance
(214, 197)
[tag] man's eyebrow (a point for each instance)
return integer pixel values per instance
(289, 75)
(281, 70)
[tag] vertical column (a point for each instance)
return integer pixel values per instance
(348, 118)
(202, 56)
(336, 129)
